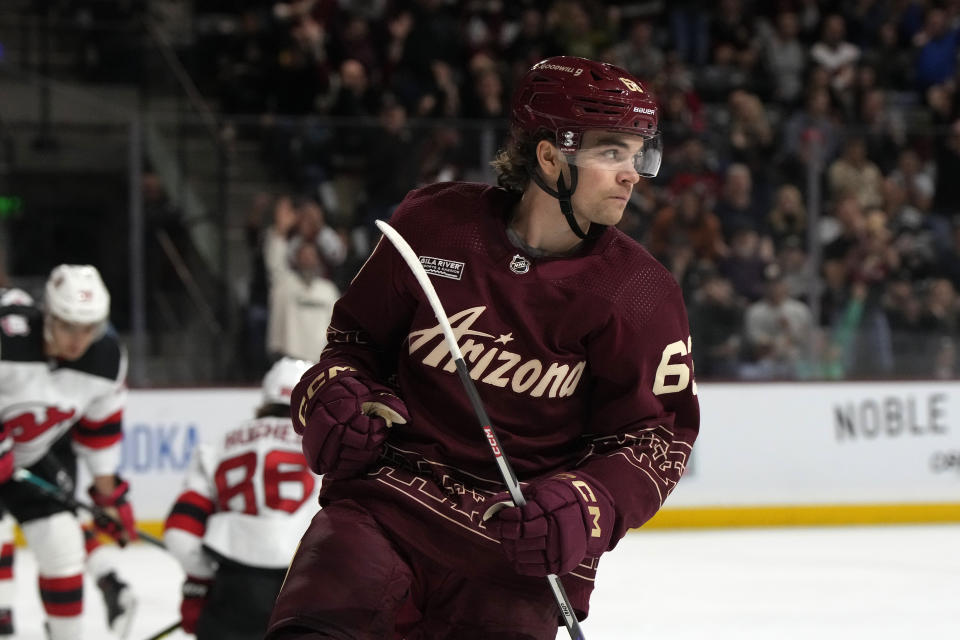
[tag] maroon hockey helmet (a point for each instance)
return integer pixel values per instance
(566, 96)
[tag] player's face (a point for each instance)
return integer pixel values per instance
(70, 341)
(607, 163)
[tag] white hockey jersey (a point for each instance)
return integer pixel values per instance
(42, 398)
(248, 498)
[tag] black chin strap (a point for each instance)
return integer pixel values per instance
(564, 195)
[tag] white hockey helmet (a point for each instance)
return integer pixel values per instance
(76, 294)
(282, 377)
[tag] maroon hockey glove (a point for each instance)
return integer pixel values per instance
(194, 599)
(567, 518)
(347, 422)
(115, 504)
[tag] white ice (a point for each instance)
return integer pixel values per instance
(876, 583)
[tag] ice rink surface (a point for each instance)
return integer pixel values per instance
(833, 582)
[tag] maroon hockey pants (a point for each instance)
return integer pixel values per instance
(348, 580)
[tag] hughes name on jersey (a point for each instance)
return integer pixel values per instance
(247, 498)
(41, 398)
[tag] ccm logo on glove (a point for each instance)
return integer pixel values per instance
(587, 494)
(345, 420)
(322, 378)
(566, 518)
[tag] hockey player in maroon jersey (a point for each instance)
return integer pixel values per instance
(247, 500)
(579, 344)
(62, 395)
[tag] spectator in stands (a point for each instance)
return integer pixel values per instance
(914, 233)
(902, 308)
(691, 166)
(854, 174)
(253, 342)
(892, 57)
(870, 260)
(785, 59)
(301, 74)
(645, 201)
(398, 28)
(574, 30)
(777, 330)
(863, 21)
(814, 127)
(355, 98)
(301, 292)
(354, 40)
(526, 44)
(841, 231)
(729, 69)
(746, 263)
(947, 192)
(681, 116)
(719, 327)
(944, 108)
(432, 36)
(788, 216)
(937, 45)
(799, 273)
(751, 138)
(915, 179)
(737, 207)
(835, 54)
(732, 26)
(948, 257)
(486, 98)
(440, 96)
(874, 258)
(685, 234)
(639, 54)
(690, 28)
(243, 54)
(393, 161)
(885, 129)
(939, 315)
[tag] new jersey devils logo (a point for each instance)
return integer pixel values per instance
(27, 422)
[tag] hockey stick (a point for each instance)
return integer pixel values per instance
(506, 471)
(163, 633)
(58, 494)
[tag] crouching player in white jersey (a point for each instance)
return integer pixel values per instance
(247, 500)
(62, 395)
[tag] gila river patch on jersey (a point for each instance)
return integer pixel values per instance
(444, 268)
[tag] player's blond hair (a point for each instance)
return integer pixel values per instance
(514, 163)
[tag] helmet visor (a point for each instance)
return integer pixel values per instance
(615, 151)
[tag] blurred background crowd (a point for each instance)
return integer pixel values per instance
(809, 200)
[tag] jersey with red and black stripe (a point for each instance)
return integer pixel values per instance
(247, 498)
(41, 398)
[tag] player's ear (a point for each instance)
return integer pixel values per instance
(548, 159)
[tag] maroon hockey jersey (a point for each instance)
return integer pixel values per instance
(582, 362)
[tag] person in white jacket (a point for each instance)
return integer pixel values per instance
(298, 269)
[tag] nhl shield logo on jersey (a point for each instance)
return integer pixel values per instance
(519, 264)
